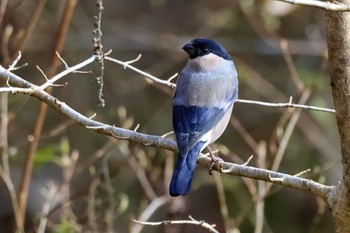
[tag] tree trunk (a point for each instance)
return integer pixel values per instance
(338, 40)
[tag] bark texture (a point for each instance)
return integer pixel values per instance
(338, 40)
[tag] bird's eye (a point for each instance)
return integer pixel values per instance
(205, 50)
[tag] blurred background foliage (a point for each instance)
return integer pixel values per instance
(115, 181)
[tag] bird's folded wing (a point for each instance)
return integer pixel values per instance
(191, 123)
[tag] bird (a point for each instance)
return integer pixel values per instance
(205, 93)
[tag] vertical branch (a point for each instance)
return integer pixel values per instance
(91, 217)
(61, 36)
(12, 192)
(64, 190)
(338, 38)
(260, 199)
(30, 26)
(27, 172)
(98, 49)
(4, 142)
(26, 175)
(50, 194)
(230, 224)
(28, 165)
(3, 5)
(110, 211)
(338, 42)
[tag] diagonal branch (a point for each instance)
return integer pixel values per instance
(161, 142)
(87, 122)
(151, 77)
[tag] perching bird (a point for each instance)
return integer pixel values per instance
(205, 94)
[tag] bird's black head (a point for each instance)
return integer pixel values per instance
(201, 47)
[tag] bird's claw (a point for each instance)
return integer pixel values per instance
(214, 160)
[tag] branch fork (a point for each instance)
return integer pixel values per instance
(153, 140)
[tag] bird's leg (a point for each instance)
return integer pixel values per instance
(214, 159)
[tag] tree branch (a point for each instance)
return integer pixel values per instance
(147, 212)
(151, 77)
(13, 197)
(153, 140)
(173, 85)
(87, 122)
(269, 176)
(192, 221)
(67, 71)
(328, 6)
(285, 105)
(338, 42)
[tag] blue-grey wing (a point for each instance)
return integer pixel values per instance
(191, 123)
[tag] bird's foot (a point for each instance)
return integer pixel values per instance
(214, 159)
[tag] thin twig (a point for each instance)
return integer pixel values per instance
(260, 201)
(149, 76)
(147, 213)
(110, 211)
(62, 60)
(172, 85)
(134, 60)
(4, 134)
(90, 209)
(68, 170)
(68, 71)
(228, 222)
(210, 228)
(5, 44)
(286, 137)
(248, 160)
(12, 192)
(303, 172)
(291, 66)
(50, 194)
(244, 134)
(327, 5)
(288, 133)
(43, 73)
(13, 67)
(285, 105)
(140, 174)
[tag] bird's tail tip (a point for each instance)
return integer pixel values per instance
(181, 182)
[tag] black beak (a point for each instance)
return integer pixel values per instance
(190, 49)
